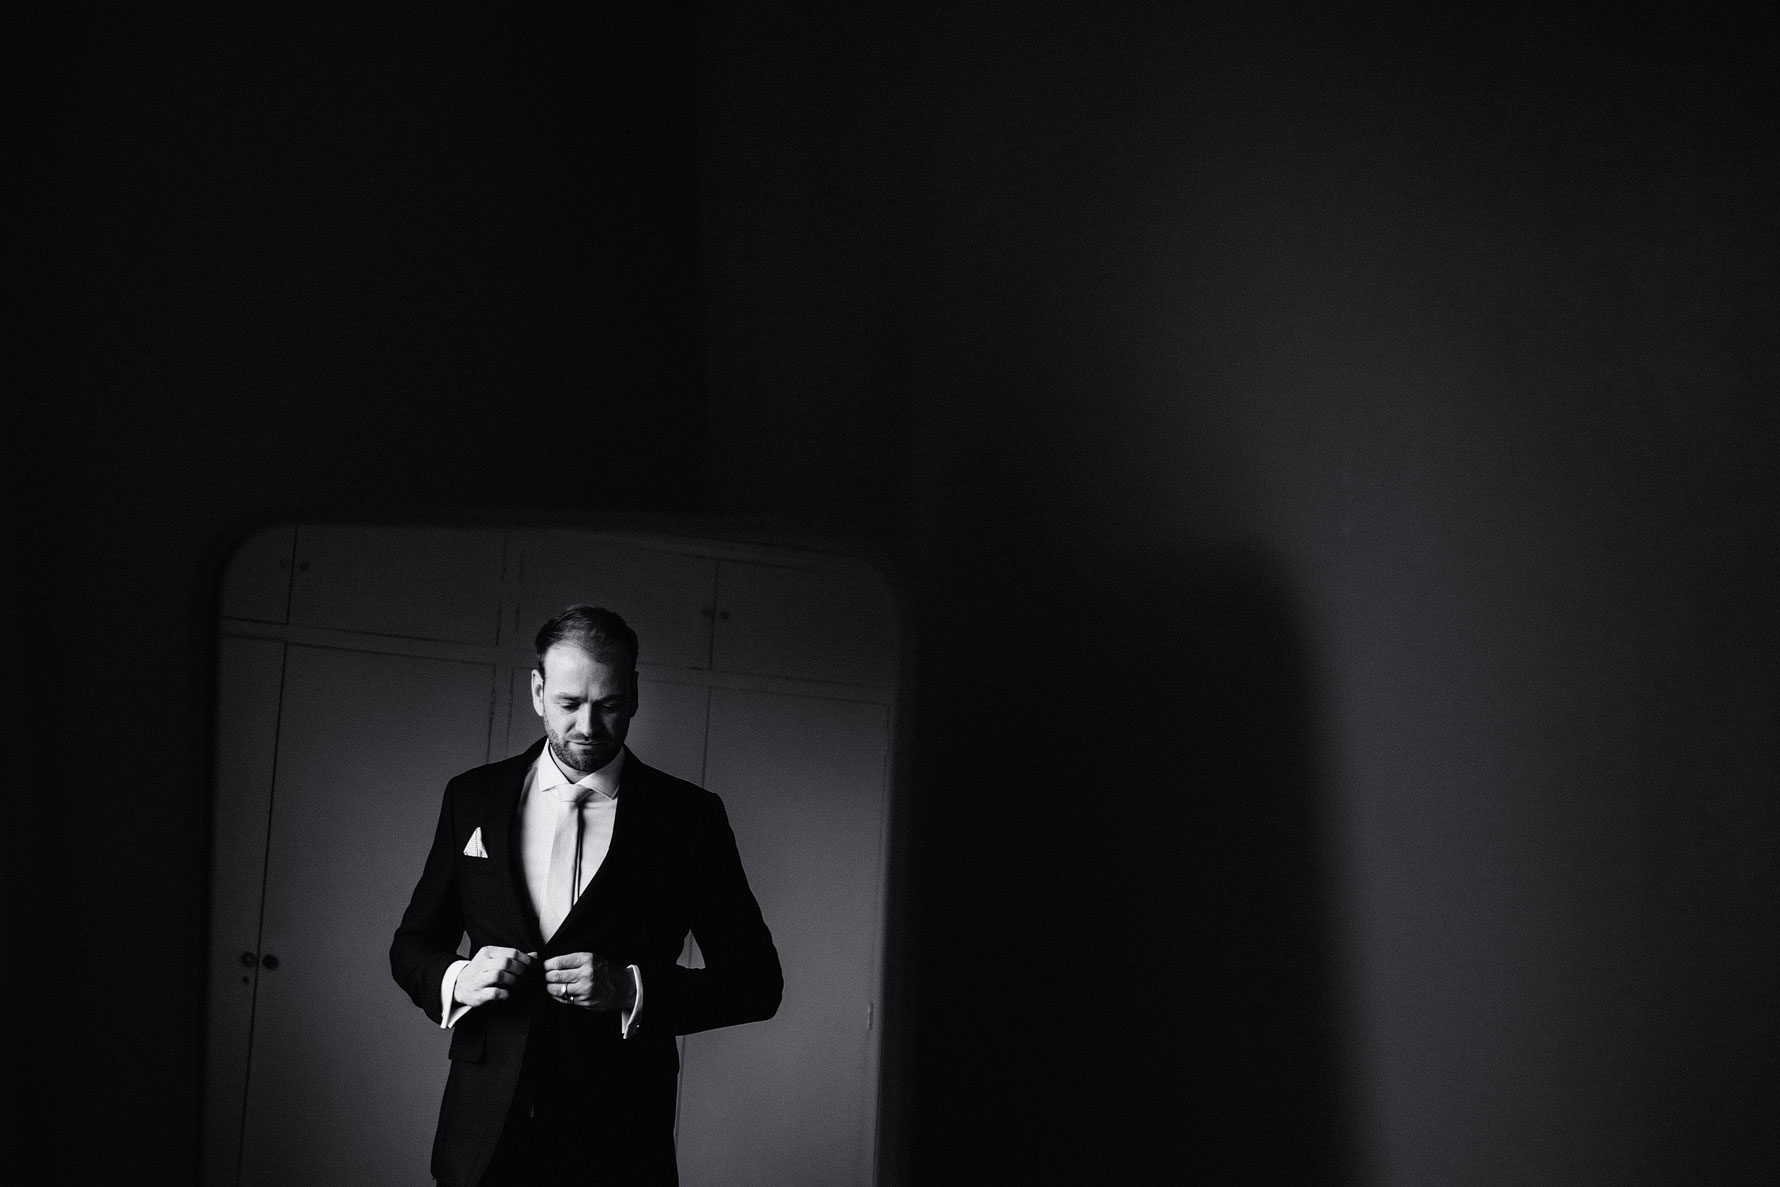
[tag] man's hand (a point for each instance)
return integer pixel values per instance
(491, 975)
(590, 981)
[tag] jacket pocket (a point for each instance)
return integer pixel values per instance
(468, 1040)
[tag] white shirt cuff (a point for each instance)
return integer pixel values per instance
(449, 1010)
(629, 1021)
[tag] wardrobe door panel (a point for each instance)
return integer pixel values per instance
(256, 582)
(793, 1100)
(347, 1073)
(664, 596)
(808, 624)
(419, 583)
(248, 674)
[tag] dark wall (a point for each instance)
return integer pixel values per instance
(1334, 462)
(291, 265)
(1329, 466)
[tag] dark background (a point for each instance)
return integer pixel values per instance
(1329, 465)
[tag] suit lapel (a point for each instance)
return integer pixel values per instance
(502, 834)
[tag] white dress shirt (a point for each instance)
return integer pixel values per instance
(549, 793)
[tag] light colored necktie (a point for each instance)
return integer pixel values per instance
(563, 883)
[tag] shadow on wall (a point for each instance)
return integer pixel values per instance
(1127, 961)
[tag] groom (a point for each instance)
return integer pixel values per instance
(577, 872)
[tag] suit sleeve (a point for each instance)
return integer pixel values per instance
(426, 941)
(742, 980)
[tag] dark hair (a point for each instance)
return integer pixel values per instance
(595, 629)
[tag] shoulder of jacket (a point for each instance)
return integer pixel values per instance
(672, 790)
(491, 774)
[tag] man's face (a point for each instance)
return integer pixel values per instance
(586, 702)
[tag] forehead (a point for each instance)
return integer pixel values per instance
(568, 668)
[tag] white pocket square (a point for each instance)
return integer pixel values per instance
(474, 848)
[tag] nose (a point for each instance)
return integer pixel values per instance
(587, 723)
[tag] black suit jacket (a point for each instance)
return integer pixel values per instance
(672, 868)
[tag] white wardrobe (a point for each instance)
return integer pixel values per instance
(359, 668)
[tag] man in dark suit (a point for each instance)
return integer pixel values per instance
(577, 872)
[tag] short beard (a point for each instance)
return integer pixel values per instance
(562, 755)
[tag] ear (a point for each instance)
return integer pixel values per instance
(634, 685)
(537, 692)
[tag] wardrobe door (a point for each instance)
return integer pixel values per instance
(416, 583)
(835, 625)
(346, 1074)
(793, 1100)
(665, 597)
(248, 675)
(256, 584)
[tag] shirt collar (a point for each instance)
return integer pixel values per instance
(548, 775)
